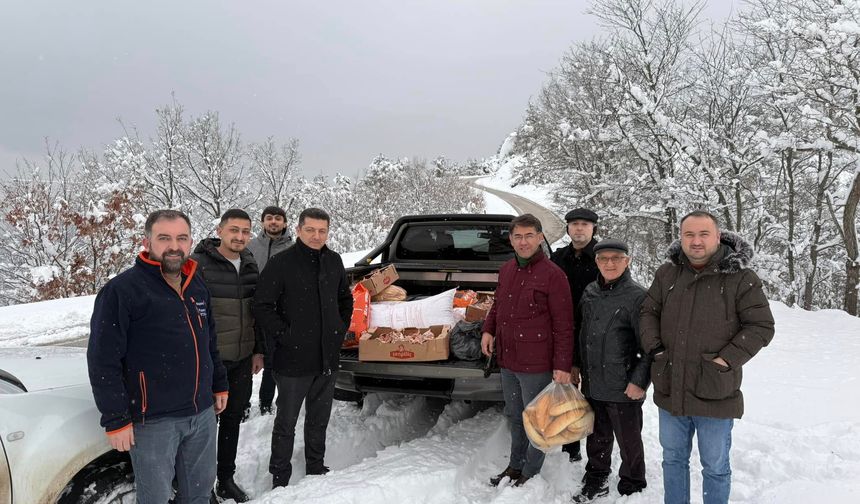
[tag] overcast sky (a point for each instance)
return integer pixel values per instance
(348, 78)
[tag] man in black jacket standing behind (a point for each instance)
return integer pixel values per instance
(230, 273)
(303, 300)
(577, 261)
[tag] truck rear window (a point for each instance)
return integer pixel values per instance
(455, 242)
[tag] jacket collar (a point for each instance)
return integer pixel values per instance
(533, 260)
(735, 254)
(284, 236)
(154, 268)
(588, 250)
(209, 246)
(307, 250)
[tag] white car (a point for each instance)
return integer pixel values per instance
(52, 448)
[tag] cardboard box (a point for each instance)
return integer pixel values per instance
(377, 281)
(474, 313)
(371, 349)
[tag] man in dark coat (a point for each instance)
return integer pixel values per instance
(577, 262)
(273, 239)
(230, 273)
(615, 372)
(704, 318)
(530, 329)
(304, 303)
(154, 367)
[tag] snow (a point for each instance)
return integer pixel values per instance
(799, 441)
(47, 322)
(66, 320)
(496, 205)
(501, 180)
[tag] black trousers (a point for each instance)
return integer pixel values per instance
(267, 389)
(240, 383)
(621, 421)
(317, 392)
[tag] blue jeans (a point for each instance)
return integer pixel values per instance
(180, 446)
(519, 389)
(715, 442)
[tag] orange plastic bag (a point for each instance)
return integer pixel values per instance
(558, 415)
(360, 313)
(464, 298)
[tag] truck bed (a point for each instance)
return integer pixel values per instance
(434, 253)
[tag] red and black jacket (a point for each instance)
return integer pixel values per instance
(152, 351)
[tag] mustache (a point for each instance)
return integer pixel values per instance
(173, 253)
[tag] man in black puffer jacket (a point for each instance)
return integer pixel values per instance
(303, 302)
(615, 372)
(230, 273)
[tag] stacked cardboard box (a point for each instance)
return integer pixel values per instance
(377, 281)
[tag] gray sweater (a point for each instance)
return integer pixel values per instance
(263, 247)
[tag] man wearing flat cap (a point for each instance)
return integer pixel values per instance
(615, 372)
(577, 261)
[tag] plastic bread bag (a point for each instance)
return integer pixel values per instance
(558, 415)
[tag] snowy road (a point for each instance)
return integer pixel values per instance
(554, 227)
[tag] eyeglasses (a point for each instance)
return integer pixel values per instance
(613, 260)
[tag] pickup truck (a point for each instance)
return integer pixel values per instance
(433, 253)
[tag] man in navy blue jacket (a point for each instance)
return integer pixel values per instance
(154, 366)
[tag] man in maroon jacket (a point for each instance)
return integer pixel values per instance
(530, 327)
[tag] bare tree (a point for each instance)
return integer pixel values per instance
(276, 170)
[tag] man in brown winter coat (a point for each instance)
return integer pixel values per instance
(704, 318)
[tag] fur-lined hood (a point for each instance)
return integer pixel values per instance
(737, 255)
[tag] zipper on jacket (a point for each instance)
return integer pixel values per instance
(241, 307)
(142, 379)
(196, 357)
(603, 343)
(193, 337)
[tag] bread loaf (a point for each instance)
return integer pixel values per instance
(532, 433)
(541, 411)
(561, 422)
(566, 406)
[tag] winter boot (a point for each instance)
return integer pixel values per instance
(317, 471)
(591, 491)
(511, 474)
(228, 489)
(521, 480)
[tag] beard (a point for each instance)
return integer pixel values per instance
(171, 261)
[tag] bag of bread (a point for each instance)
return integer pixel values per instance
(558, 415)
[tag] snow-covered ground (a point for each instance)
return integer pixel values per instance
(798, 443)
